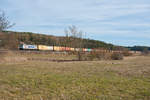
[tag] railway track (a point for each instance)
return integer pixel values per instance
(31, 51)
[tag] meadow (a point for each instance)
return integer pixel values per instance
(127, 79)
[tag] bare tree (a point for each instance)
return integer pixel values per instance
(8, 40)
(74, 38)
(4, 22)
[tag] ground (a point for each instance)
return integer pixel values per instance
(127, 79)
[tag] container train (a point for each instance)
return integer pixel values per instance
(51, 48)
(61, 49)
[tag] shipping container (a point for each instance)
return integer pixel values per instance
(78, 49)
(72, 49)
(62, 48)
(84, 49)
(31, 47)
(56, 48)
(44, 47)
(68, 48)
(28, 47)
(89, 50)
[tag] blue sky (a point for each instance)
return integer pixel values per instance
(121, 22)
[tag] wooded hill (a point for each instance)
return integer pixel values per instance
(10, 40)
(139, 48)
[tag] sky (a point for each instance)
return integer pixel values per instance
(121, 22)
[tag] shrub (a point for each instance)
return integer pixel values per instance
(99, 56)
(145, 52)
(126, 53)
(117, 56)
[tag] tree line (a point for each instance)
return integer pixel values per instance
(139, 48)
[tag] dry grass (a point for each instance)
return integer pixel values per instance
(11, 57)
(135, 66)
(128, 79)
(50, 55)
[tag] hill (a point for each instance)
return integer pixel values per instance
(10, 40)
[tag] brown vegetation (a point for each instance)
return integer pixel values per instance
(10, 56)
(101, 56)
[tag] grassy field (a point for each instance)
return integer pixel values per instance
(128, 79)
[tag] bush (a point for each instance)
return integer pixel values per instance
(127, 53)
(145, 52)
(117, 56)
(98, 56)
